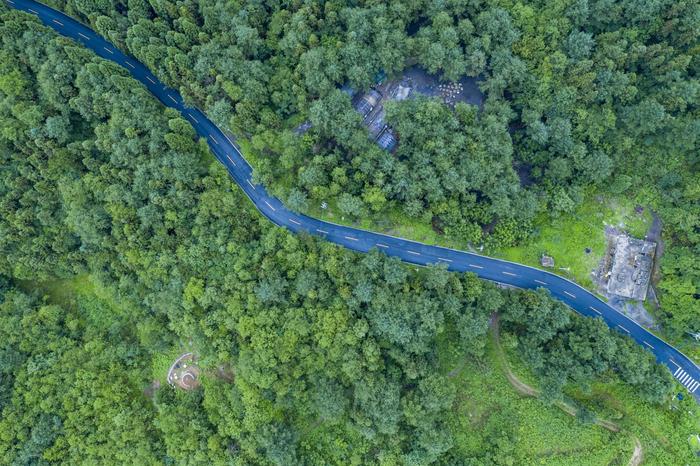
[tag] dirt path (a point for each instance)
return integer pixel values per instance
(638, 454)
(527, 390)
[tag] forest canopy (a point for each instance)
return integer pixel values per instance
(581, 96)
(98, 180)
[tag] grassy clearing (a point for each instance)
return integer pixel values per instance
(566, 238)
(543, 434)
(100, 305)
(662, 430)
(488, 411)
(161, 363)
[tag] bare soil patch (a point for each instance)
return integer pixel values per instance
(184, 372)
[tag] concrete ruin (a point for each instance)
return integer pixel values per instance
(546, 261)
(630, 268)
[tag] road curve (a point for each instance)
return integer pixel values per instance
(521, 276)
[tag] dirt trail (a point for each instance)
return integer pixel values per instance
(527, 390)
(638, 454)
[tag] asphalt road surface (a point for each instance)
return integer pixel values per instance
(522, 276)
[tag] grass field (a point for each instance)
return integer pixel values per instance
(566, 238)
(540, 433)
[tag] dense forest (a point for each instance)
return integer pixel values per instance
(98, 179)
(581, 95)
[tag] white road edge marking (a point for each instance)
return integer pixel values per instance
(321, 231)
(229, 139)
(573, 296)
(623, 328)
(294, 221)
(381, 245)
(540, 282)
(270, 206)
(83, 36)
(509, 273)
(475, 266)
(648, 345)
(596, 310)
(351, 238)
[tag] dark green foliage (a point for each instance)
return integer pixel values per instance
(95, 177)
(564, 347)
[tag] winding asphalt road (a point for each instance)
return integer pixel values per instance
(521, 276)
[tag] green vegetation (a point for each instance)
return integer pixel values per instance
(121, 239)
(567, 236)
(583, 98)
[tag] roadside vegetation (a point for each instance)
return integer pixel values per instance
(122, 239)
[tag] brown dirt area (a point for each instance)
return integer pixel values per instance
(184, 373)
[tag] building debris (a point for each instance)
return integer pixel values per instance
(630, 268)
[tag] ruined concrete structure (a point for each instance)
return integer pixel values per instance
(631, 268)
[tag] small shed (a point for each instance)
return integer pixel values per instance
(546, 261)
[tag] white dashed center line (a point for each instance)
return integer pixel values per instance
(213, 139)
(443, 259)
(351, 238)
(193, 118)
(413, 252)
(648, 345)
(321, 231)
(382, 245)
(130, 64)
(566, 292)
(109, 50)
(173, 99)
(475, 266)
(509, 273)
(33, 11)
(294, 221)
(231, 160)
(623, 328)
(150, 80)
(251, 184)
(57, 22)
(270, 206)
(540, 282)
(596, 310)
(83, 36)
